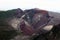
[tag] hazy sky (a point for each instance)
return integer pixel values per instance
(51, 5)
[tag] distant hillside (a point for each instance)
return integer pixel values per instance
(11, 13)
(54, 14)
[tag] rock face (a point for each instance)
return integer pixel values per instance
(36, 19)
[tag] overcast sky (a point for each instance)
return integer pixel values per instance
(51, 5)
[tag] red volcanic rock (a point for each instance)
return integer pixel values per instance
(26, 29)
(35, 18)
